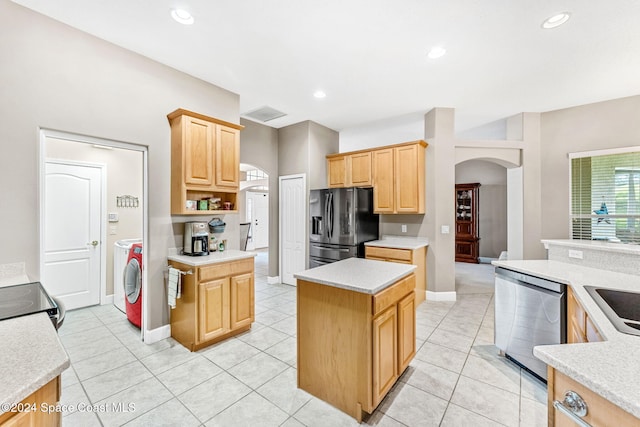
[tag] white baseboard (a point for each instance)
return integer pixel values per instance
(441, 296)
(158, 334)
(108, 299)
(273, 280)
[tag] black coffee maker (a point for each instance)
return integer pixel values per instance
(196, 238)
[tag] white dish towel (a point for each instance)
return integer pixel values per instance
(174, 286)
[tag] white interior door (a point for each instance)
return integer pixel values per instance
(72, 211)
(259, 215)
(293, 220)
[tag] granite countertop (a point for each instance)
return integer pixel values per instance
(212, 258)
(358, 274)
(400, 242)
(609, 368)
(31, 356)
(600, 245)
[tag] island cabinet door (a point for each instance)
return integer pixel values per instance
(385, 351)
(242, 313)
(406, 331)
(213, 309)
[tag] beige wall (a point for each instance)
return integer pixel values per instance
(603, 125)
(124, 177)
(56, 77)
(259, 147)
(322, 141)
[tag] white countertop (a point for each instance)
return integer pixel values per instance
(31, 356)
(357, 274)
(212, 258)
(400, 242)
(600, 245)
(610, 368)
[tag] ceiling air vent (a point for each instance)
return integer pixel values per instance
(264, 114)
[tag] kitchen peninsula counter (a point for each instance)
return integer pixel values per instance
(31, 357)
(356, 331)
(610, 367)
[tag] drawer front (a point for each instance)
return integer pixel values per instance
(393, 294)
(214, 271)
(389, 253)
(243, 266)
(601, 412)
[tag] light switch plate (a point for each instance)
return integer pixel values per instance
(444, 229)
(404, 228)
(113, 216)
(113, 229)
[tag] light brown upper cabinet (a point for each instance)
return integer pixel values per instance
(205, 161)
(337, 171)
(352, 170)
(396, 173)
(398, 179)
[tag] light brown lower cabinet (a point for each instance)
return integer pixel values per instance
(217, 302)
(48, 396)
(580, 328)
(600, 411)
(352, 346)
(417, 257)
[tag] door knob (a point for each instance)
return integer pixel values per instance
(93, 243)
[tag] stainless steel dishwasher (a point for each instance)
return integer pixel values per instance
(529, 311)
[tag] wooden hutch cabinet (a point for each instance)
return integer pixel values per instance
(467, 236)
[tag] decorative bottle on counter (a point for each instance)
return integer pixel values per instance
(221, 245)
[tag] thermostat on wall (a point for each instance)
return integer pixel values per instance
(113, 216)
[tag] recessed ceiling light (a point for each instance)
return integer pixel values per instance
(556, 20)
(436, 52)
(319, 94)
(182, 16)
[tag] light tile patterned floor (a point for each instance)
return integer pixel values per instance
(456, 378)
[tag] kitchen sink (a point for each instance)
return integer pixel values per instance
(621, 307)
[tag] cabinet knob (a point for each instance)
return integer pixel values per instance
(574, 407)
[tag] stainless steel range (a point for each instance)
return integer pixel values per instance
(26, 299)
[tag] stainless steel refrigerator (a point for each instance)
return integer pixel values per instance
(340, 221)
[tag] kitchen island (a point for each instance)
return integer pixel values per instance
(356, 331)
(31, 361)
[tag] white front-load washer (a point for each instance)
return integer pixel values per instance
(120, 255)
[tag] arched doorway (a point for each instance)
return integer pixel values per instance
(254, 191)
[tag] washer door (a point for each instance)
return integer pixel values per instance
(132, 281)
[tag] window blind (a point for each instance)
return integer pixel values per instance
(605, 196)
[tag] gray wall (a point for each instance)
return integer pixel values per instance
(322, 141)
(492, 201)
(608, 124)
(59, 78)
(259, 147)
(293, 149)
